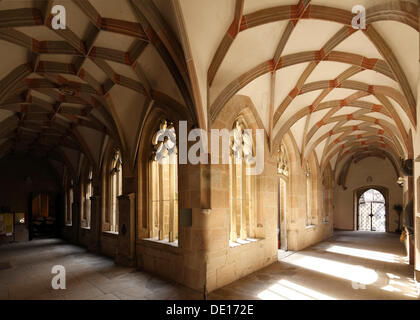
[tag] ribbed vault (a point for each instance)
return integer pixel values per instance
(69, 92)
(340, 91)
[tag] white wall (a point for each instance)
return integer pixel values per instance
(383, 174)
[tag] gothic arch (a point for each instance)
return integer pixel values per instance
(158, 113)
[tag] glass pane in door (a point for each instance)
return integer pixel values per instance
(364, 217)
(378, 219)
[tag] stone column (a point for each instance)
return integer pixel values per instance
(75, 221)
(95, 223)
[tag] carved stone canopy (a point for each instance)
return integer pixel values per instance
(164, 141)
(282, 162)
(241, 142)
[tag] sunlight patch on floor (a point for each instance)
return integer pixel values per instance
(346, 267)
(287, 290)
(395, 284)
(336, 269)
(367, 254)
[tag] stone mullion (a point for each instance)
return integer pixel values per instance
(71, 202)
(328, 197)
(161, 202)
(256, 202)
(155, 178)
(253, 215)
(107, 190)
(171, 200)
(90, 195)
(82, 201)
(243, 199)
(308, 202)
(89, 216)
(120, 193)
(315, 202)
(151, 198)
(232, 197)
(249, 213)
(66, 207)
(113, 200)
(281, 202)
(238, 199)
(87, 204)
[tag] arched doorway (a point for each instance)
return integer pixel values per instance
(42, 215)
(371, 211)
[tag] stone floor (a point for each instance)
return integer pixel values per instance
(351, 265)
(25, 273)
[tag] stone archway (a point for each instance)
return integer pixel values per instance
(371, 209)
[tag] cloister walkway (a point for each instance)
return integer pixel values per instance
(350, 265)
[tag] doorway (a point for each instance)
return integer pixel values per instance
(371, 211)
(42, 217)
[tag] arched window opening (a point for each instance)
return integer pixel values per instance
(371, 211)
(116, 190)
(283, 171)
(87, 193)
(163, 185)
(242, 185)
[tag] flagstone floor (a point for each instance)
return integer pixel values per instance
(88, 276)
(350, 265)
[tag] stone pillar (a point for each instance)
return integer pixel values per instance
(126, 238)
(95, 223)
(75, 221)
(192, 238)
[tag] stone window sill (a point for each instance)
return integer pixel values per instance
(325, 222)
(163, 241)
(68, 225)
(86, 228)
(111, 233)
(241, 242)
(311, 226)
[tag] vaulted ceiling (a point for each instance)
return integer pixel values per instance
(340, 92)
(67, 93)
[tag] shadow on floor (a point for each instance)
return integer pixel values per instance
(350, 265)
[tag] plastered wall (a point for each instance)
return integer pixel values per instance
(381, 173)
